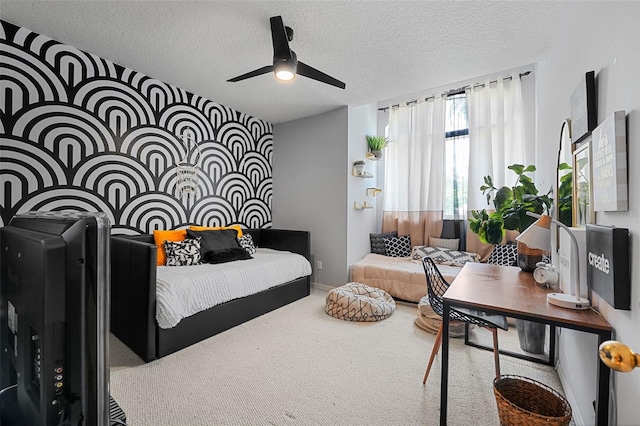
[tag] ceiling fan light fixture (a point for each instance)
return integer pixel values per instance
(284, 70)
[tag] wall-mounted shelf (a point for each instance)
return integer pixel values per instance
(362, 206)
(364, 174)
(372, 157)
(374, 191)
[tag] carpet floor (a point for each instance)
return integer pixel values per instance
(299, 366)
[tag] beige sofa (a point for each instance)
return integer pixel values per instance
(402, 277)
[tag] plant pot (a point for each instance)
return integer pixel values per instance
(359, 168)
(376, 153)
(528, 257)
(531, 336)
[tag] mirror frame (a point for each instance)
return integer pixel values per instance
(566, 137)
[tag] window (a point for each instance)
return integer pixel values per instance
(456, 156)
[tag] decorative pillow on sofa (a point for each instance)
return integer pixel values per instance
(377, 241)
(448, 243)
(226, 255)
(504, 254)
(159, 237)
(444, 256)
(183, 253)
(217, 228)
(398, 246)
(246, 242)
(215, 240)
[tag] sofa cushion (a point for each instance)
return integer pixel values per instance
(183, 253)
(444, 256)
(504, 254)
(226, 255)
(398, 246)
(215, 240)
(217, 228)
(246, 242)
(160, 236)
(377, 241)
(448, 243)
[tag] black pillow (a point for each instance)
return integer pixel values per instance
(215, 240)
(226, 255)
(377, 241)
(504, 254)
(398, 246)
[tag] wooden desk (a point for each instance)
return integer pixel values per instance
(510, 291)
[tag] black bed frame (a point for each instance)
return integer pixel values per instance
(133, 295)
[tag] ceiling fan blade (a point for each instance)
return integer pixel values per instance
(254, 73)
(279, 38)
(310, 72)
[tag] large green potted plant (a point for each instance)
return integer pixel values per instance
(511, 205)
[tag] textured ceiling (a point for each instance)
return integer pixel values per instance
(380, 49)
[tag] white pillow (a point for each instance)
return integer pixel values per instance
(451, 244)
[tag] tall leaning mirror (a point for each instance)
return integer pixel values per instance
(564, 179)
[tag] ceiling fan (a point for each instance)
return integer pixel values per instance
(285, 62)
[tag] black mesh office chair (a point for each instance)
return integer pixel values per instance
(436, 286)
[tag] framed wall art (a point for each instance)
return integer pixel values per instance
(609, 164)
(583, 212)
(583, 107)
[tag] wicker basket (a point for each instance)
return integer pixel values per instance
(524, 401)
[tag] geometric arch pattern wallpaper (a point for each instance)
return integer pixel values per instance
(82, 133)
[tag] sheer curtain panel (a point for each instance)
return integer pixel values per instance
(496, 140)
(414, 171)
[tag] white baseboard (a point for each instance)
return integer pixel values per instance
(322, 287)
(576, 416)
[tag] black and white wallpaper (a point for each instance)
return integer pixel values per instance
(82, 133)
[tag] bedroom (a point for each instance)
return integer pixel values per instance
(581, 37)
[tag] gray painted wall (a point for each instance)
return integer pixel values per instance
(362, 122)
(310, 165)
(599, 36)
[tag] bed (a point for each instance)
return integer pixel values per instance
(134, 294)
(402, 277)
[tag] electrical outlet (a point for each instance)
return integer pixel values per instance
(319, 264)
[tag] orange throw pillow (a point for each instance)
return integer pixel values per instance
(217, 228)
(161, 236)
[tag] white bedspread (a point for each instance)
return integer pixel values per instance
(182, 291)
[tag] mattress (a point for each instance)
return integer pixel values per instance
(401, 277)
(182, 291)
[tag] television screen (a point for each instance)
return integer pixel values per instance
(54, 324)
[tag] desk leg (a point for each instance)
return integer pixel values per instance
(602, 392)
(445, 365)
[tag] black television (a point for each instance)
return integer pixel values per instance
(54, 319)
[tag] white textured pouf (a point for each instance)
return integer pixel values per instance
(359, 302)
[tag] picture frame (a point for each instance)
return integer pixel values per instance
(583, 212)
(609, 164)
(583, 107)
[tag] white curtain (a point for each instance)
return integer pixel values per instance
(496, 136)
(414, 170)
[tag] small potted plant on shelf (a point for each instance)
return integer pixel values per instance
(377, 144)
(358, 167)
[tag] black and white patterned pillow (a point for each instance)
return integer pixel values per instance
(377, 241)
(444, 256)
(246, 242)
(183, 253)
(504, 254)
(398, 246)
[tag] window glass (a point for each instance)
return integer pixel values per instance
(457, 157)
